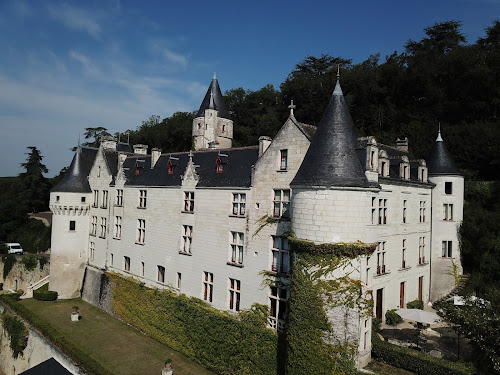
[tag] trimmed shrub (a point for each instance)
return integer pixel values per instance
(43, 294)
(376, 324)
(415, 361)
(417, 304)
(392, 318)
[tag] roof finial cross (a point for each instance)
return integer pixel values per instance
(291, 107)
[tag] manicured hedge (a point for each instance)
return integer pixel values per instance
(90, 365)
(415, 361)
(43, 294)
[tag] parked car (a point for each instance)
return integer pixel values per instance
(14, 248)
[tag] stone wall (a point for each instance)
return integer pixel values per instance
(97, 290)
(19, 277)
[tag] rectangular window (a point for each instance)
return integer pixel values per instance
(187, 238)
(281, 203)
(83, 199)
(96, 198)
(281, 257)
(447, 249)
(447, 212)
(234, 294)
(142, 269)
(208, 286)
(188, 201)
(421, 250)
(104, 203)
(381, 258)
(374, 210)
(283, 160)
(93, 228)
(119, 197)
(103, 227)
(422, 212)
(237, 247)
(92, 250)
(127, 264)
(141, 231)
(382, 211)
(448, 187)
(278, 298)
(239, 204)
(72, 225)
(142, 198)
(404, 212)
(179, 280)
(403, 260)
(111, 260)
(161, 274)
(118, 227)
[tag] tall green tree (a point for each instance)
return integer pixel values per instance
(34, 186)
(94, 136)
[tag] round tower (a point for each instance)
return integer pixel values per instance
(212, 126)
(447, 214)
(70, 205)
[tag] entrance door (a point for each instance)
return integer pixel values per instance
(402, 295)
(420, 287)
(378, 309)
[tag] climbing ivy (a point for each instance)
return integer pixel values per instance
(17, 333)
(321, 283)
(8, 263)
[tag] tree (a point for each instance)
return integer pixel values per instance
(95, 134)
(34, 186)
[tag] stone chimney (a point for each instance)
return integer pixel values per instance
(264, 143)
(140, 149)
(155, 155)
(402, 144)
(108, 143)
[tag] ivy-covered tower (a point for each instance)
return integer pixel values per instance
(447, 214)
(212, 126)
(330, 200)
(70, 205)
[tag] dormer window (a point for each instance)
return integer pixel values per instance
(383, 163)
(223, 128)
(283, 160)
(405, 172)
(220, 162)
(171, 164)
(199, 126)
(404, 168)
(139, 164)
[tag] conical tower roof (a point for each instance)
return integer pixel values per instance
(75, 180)
(439, 160)
(331, 159)
(213, 100)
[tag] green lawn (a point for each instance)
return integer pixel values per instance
(381, 368)
(118, 347)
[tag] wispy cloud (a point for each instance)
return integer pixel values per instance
(175, 58)
(76, 18)
(88, 66)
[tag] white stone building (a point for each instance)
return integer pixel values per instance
(188, 220)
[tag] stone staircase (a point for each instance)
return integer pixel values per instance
(463, 282)
(29, 291)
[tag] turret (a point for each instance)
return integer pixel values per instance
(70, 205)
(212, 126)
(447, 214)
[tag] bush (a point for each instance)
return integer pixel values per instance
(376, 324)
(3, 248)
(43, 261)
(392, 318)
(417, 304)
(414, 361)
(30, 262)
(43, 294)
(8, 262)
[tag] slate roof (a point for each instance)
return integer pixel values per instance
(308, 130)
(48, 367)
(75, 180)
(213, 100)
(331, 159)
(439, 160)
(237, 171)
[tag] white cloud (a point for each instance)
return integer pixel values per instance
(77, 19)
(175, 58)
(88, 66)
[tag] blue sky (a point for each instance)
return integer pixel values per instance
(68, 65)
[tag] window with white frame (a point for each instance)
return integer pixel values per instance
(126, 266)
(141, 231)
(72, 225)
(96, 198)
(448, 212)
(447, 247)
(283, 160)
(208, 286)
(239, 204)
(448, 187)
(187, 238)
(280, 254)
(421, 250)
(278, 298)
(281, 203)
(374, 210)
(103, 227)
(404, 211)
(93, 226)
(403, 257)
(104, 202)
(92, 250)
(119, 197)
(143, 194)
(381, 258)
(188, 201)
(161, 274)
(422, 212)
(234, 294)
(382, 211)
(237, 247)
(118, 227)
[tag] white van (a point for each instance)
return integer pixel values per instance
(14, 248)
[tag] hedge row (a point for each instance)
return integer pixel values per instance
(225, 343)
(414, 361)
(45, 295)
(77, 355)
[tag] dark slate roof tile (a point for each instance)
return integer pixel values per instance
(48, 367)
(439, 160)
(75, 179)
(213, 100)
